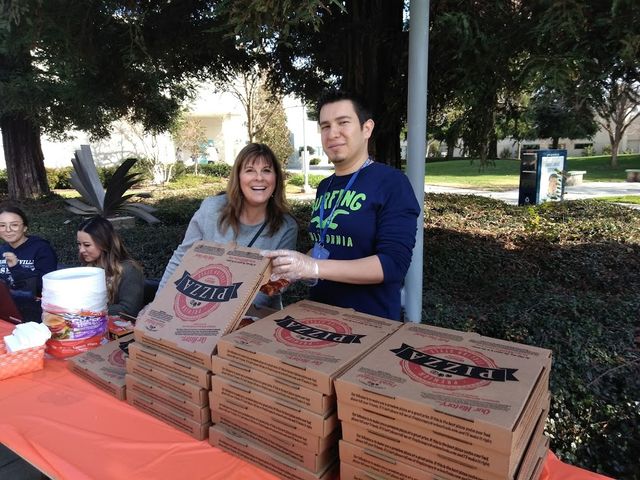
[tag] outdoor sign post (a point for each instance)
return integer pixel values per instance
(541, 176)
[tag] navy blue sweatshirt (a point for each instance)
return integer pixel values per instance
(36, 257)
(377, 216)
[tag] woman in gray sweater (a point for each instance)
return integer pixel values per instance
(253, 213)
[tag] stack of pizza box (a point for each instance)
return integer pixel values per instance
(272, 397)
(433, 403)
(169, 364)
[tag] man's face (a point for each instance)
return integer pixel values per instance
(343, 139)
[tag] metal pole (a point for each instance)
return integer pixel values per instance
(305, 164)
(416, 144)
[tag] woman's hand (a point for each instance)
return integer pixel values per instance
(11, 259)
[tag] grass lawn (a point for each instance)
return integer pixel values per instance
(635, 199)
(505, 174)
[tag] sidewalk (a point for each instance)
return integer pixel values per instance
(586, 190)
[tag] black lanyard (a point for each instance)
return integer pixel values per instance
(255, 237)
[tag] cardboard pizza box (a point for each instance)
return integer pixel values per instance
(162, 412)
(169, 381)
(477, 389)
(441, 459)
(226, 440)
(314, 462)
(104, 366)
(471, 452)
(197, 413)
(169, 364)
(318, 448)
(205, 298)
(273, 385)
(316, 424)
(231, 412)
(308, 343)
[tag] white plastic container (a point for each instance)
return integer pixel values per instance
(74, 307)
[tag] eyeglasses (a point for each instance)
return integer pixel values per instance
(10, 226)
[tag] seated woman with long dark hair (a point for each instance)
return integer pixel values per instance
(99, 245)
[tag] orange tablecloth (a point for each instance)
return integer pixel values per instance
(69, 429)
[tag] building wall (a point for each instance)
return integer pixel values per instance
(222, 117)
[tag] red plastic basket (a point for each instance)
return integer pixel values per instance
(20, 362)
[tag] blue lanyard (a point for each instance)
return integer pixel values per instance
(323, 231)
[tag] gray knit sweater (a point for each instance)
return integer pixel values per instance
(204, 226)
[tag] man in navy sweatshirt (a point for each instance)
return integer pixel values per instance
(363, 221)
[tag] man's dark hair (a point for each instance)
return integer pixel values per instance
(359, 105)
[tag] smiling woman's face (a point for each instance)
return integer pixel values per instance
(87, 248)
(12, 228)
(257, 181)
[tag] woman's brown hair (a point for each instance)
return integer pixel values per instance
(113, 252)
(277, 204)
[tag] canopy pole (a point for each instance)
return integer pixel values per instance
(417, 144)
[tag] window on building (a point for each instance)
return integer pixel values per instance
(579, 146)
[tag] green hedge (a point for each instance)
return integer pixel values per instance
(560, 276)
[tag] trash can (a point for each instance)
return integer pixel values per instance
(541, 176)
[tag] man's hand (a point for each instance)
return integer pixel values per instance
(11, 259)
(291, 265)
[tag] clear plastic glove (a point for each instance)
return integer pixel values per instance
(292, 265)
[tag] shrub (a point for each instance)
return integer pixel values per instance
(4, 182)
(298, 180)
(588, 151)
(506, 153)
(188, 180)
(59, 178)
(434, 150)
(218, 169)
(606, 150)
(106, 173)
(314, 161)
(179, 170)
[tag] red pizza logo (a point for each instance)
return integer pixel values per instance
(451, 368)
(313, 332)
(201, 293)
(117, 358)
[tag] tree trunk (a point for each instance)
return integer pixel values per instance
(373, 70)
(615, 144)
(555, 142)
(26, 174)
(450, 150)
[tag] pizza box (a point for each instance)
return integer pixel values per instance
(103, 366)
(304, 420)
(440, 458)
(226, 440)
(277, 387)
(230, 412)
(169, 364)
(169, 381)
(314, 462)
(479, 390)
(436, 438)
(359, 463)
(205, 298)
(308, 343)
(162, 412)
(197, 413)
